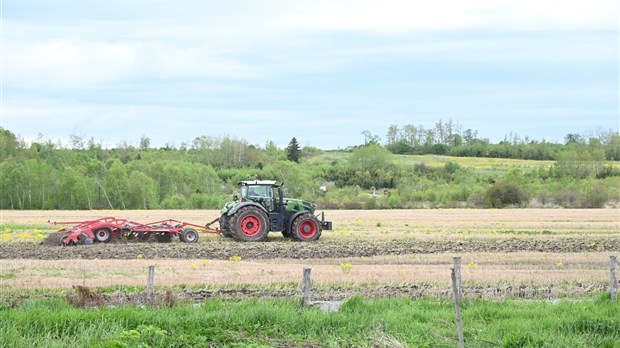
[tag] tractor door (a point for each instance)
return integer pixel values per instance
(263, 195)
(277, 215)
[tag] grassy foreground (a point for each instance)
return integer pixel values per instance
(359, 323)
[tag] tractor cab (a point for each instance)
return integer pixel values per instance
(266, 194)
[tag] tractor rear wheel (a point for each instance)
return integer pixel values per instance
(103, 235)
(189, 236)
(306, 228)
(250, 224)
(225, 226)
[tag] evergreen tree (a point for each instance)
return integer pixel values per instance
(292, 151)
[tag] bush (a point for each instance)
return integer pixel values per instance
(203, 201)
(173, 202)
(503, 193)
(568, 198)
(596, 196)
(394, 201)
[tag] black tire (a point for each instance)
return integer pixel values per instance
(225, 226)
(103, 235)
(306, 228)
(249, 224)
(286, 234)
(144, 236)
(189, 236)
(163, 237)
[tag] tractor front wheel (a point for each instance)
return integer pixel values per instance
(103, 235)
(306, 228)
(250, 224)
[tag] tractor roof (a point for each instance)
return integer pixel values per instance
(259, 182)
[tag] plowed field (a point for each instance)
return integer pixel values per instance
(524, 253)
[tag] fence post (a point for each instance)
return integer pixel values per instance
(457, 274)
(307, 283)
(150, 285)
(457, 307)
(613, 277)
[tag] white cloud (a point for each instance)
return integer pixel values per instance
(228, 39)
(69, 63)
(62, 63)
(410, 15)
(207, 67)
(192, 61)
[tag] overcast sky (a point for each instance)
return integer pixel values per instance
(321, 70)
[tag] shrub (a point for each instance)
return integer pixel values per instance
(394, 201)
(544, 197)
(503, 193)
(203, 201)
(568, 198)
(596, 196)
(173, 202)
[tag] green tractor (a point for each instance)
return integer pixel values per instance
(262, 208)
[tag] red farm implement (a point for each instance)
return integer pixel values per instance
(104, 229)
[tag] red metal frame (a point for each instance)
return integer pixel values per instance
(86, 229)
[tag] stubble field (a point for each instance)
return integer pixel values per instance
(530, 253)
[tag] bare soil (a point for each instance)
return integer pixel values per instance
(281, 248)
(513, 253)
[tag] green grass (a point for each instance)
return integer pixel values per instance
(359, 323)
(482, 165)
(9, 226)
(12, 232)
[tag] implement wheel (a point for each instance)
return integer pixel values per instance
(189, 236)
(250, 224)
(306, 228)
(103, 235)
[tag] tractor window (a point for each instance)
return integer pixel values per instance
(262, 194)
(257, 191)
(244, 193)
(274, 193)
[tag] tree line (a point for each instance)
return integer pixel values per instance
(450, 138)
(203, 174)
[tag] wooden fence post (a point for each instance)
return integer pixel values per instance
(613, 277)
(457, 307)
(457, 274)
(150, 287)
(307, 283)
